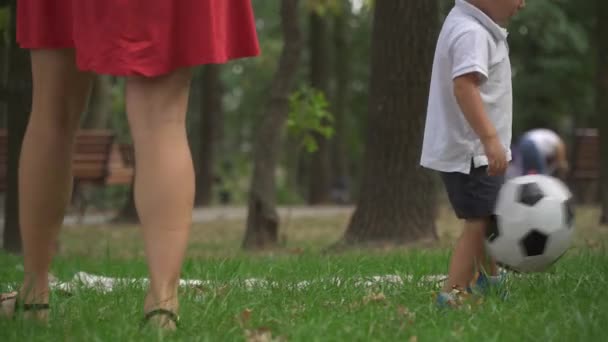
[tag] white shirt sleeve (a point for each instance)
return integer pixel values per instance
(470, 53)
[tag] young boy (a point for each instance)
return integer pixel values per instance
(468, 127)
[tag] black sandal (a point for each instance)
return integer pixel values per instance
(19, 307)
(172, 316)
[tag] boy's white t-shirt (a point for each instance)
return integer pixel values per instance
(469, 41)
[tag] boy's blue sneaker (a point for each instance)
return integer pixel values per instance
(484, 284)
(445, 300)
(452, 299)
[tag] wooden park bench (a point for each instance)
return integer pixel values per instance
(585, 165)
(98, 161)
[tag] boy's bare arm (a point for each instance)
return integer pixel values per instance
(467, 94)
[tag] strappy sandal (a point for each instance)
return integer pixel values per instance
(170, 314)
(20, 307)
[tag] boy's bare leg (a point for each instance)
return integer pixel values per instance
(466, 255)
(488, 267)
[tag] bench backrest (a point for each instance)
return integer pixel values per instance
(586, 155)
(97, 158)
(91, 155)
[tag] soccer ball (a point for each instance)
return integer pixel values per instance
(533, 223)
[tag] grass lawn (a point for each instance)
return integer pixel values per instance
(299, 293)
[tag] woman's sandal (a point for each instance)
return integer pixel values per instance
(170, 314)
(18, 306)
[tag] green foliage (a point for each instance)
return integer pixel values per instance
(324, 7)
(5, 16)
(553, 53)
(551, 48)
(5, 21)
(308, 115)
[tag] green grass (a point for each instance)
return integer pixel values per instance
(565, 304)
(568, 303)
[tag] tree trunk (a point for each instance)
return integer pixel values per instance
(340, 177)
(4, 60)
(211, 111)
(19, 106)
(398, 198)
(602, 102)
(262, 219)
(319, 79)
(100, 104)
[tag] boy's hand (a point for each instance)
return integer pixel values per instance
(497, 156)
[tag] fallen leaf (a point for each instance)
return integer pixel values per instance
(458, 331)
(196, 290)
(222, 290)
(354, 305)
(406, 313)
(330, 303)
(52, 278)
(244, 317)
(591, 243)
(413, 339)
(296, 251)
(262, 334)
(374, 297)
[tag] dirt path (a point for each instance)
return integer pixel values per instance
(224, 213)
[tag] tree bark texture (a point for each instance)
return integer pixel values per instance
(210, 117)
(340, 178)
(320, 166)
(262, 218)
(397, 201)
(602, 103)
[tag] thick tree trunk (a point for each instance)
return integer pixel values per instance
(340, 177)
(4, 60)
(211, 111)
(262, 219)
(398, 198)
(320, 167)
(602, 102)
(19, 106)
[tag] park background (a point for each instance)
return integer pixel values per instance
(307, 164)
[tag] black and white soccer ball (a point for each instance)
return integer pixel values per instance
(533, 223)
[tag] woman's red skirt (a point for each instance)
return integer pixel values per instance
(140, 37)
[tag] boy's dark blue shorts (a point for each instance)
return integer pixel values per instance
(473, 195)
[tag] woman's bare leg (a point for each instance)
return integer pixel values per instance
(164, 180)
(60, 94)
